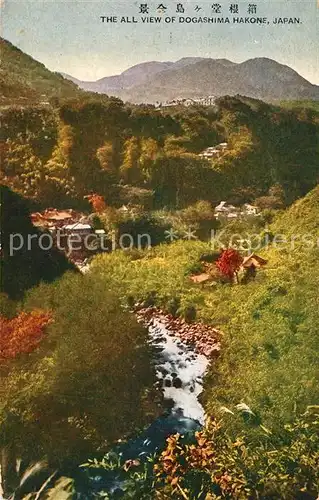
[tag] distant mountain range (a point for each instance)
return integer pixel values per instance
(136, 75)
(192, 77)
(23, 79)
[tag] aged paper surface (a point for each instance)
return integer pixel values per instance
(159, 249)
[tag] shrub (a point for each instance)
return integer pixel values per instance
(22, 334)
(215, 466)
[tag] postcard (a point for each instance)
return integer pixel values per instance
(159, 249)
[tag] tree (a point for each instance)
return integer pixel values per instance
(180, 179)
(149, 152)
(130, 170)
(105, 155)
(200, 217)
(274, 200)
(229, 263)
(97, 202)
(22, 334)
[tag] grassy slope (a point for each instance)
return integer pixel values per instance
(302, 215)
(22, 78)
(270, 349)
(270, 356)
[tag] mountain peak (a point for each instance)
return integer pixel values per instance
(158, 81)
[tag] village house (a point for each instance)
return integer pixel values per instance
(227, 210)
(68, 229)
(211, 275)
(80, 241)
(53, 218)
(214, 151)
(211, 152)
(250, 265)
(78, 228)
(250, 210)
(253, 260)
(180, 101)
(207, 101)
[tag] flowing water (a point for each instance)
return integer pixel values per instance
(179, 372)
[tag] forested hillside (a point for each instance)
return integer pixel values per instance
(57, 156)
(270, 360)
(24, 80)
(260, 393)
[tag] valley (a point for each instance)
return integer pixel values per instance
(178, 358)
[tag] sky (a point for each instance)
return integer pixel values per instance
(68, 36)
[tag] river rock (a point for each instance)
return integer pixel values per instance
(202, 339)
(177, 383)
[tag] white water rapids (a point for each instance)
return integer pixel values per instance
(179, 371)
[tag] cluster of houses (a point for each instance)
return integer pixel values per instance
(202, 101)
(225, 210)
(214, 151)
(66, 221)
(67, 227)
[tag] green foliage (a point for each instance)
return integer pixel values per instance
(214, 466)
(302, 215)
(180, 179)
(147, 157)
(311, 107)
(8, 307)
(135, 196)
(88, 127)
(144, 230)
(145, 121)
(199, 218)
(130, 169)
(273, 200)
(269, 355)
(33, 163)
(95, 143)
(211, 465)
(137, 480)
(63, 489)
(263, 153)
(30, 484)
(270, 344)
(162, 272)
(88, 382)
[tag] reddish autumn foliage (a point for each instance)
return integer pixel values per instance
(97, 202)
(229, 262)
(22, 334)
